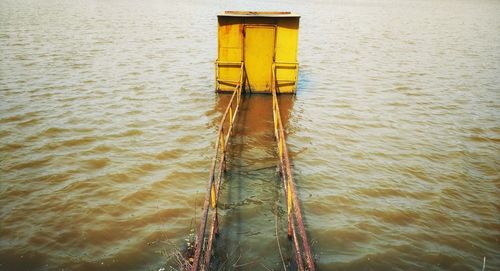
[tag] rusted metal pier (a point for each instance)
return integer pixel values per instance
(257, 52)
(296, 231)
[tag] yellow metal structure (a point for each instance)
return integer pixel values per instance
(257, 52)
(266, 43)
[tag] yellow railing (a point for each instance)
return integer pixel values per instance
(219, 81)
(296, 231)
(281, 65)
(294, 212)
(202, 262)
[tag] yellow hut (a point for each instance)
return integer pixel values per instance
(259, 48)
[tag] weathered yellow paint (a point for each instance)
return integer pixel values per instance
(212, 196)
(259, 56)
(263, 41)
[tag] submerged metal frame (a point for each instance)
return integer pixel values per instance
(294, 211)
(296, 229)
(213, 189)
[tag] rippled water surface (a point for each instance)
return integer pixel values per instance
(108, 119)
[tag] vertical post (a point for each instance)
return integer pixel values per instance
(281, 148)
(230, 115)
(212, 195)
(216, 73)
(216, 230)
(289, 209)
(221, 138)
(296, 77)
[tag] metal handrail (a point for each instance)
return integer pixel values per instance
(217, 64)
(204, 239)
(295, 65)
(292, 201)
(286, 63)
(228, 63)
(213, 189)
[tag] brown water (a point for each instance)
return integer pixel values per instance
(108, 119)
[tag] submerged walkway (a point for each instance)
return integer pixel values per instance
(250, 195)
(209, 224)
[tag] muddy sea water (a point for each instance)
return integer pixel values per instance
(108, 119)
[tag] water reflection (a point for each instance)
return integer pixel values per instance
(251, 192)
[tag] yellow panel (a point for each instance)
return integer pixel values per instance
(286, 44)
(230, 41)
(286, 52)
(259, 55)
(230, 51)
